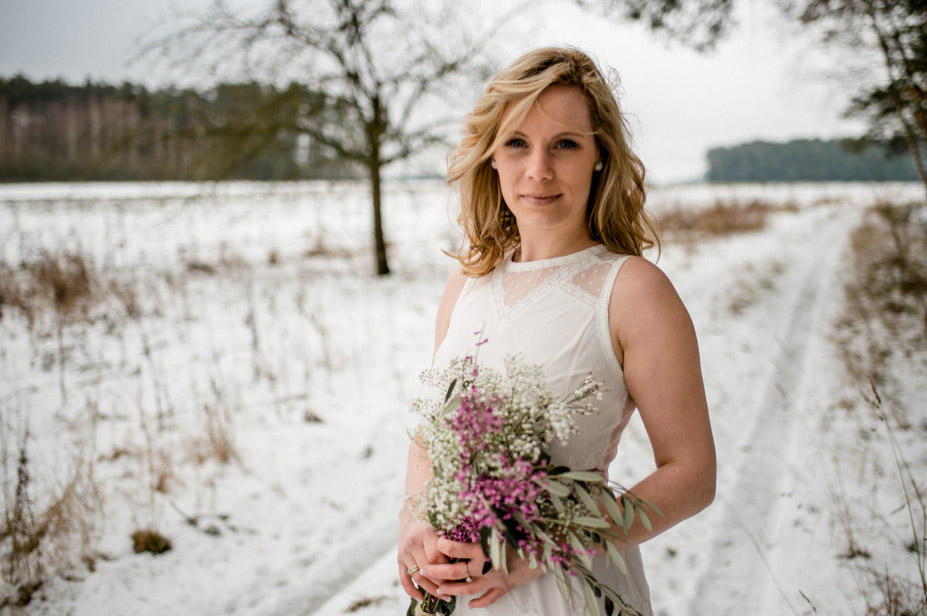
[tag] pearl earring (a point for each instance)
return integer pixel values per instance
(599, 165)
(492, 163)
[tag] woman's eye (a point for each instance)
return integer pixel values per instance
(566, 144)
(515, 142)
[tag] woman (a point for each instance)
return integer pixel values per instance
(552, 210)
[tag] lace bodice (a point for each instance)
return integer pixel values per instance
(555, 313)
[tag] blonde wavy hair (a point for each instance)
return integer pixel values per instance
(615, 215)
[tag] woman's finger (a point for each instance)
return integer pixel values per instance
(458, 588)
(452, 571)
(460, 551)
(407, 583)
(428, 585)
(432, 553)
(488, 598)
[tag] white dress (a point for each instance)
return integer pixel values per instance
(555, 313)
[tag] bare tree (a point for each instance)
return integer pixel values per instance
(381, 60)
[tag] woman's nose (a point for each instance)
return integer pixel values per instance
(539, 165)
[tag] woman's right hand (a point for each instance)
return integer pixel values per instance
(417, 548)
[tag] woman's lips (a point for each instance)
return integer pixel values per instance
(539, 199)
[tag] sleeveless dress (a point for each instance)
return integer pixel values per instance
(555, 313)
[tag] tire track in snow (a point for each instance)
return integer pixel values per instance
(738, 576)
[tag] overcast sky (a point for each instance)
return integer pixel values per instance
(763, 82)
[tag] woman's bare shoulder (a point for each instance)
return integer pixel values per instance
(639, 280)
(643, 299)
(452, 288)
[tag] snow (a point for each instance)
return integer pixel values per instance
(266, 328)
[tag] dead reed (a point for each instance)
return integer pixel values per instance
(721, 218)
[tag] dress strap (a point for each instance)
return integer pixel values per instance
(602, 304)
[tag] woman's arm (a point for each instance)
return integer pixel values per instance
(417, 540)
(656, 345)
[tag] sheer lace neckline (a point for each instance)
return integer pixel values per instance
(517, 266)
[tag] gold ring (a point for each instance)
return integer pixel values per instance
(467, 569)
(412, 570)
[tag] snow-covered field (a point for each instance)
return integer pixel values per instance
(240, 385)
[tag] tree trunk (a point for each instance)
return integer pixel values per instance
(379, 242)
(374, 164)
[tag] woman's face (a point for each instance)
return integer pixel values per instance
(545, 167)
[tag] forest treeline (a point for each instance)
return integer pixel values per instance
(809, 160)
(52, 130)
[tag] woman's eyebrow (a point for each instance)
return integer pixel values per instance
(566, 133)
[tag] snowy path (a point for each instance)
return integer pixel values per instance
(740, 573)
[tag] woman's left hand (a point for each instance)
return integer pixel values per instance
(491, 586)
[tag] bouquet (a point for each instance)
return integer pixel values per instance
(494, 482)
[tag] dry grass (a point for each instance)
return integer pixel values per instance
(219, 441)
(885, 321)
(364, 602)
(63, 285)
(10, 294)
(722, 218)
(51, 292)
(41, 537)
(889, 595)
(147, 540)
(886, 310)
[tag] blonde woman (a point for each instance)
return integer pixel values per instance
(552, 208)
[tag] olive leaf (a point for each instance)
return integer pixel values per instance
(587, 500)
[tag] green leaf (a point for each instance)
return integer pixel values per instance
(609, 606)
(557, 489)
(650, 506)
(453, 405)
(591, 604)
(587, 500)
(532, 561)
(591, 522)
(497, 546)
(558, 504)
(543, 536)
(644, 519)
(586, 476)
(562, 585)
(450, 390)
(485, 534)
(615, 556)
(580, 550)
(412, 606)
(611, 506)
(511, 531)
(628, 514)
(447, 607)
(495, 549)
